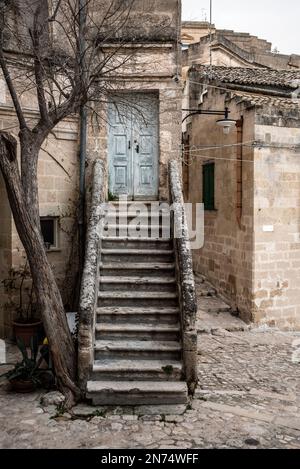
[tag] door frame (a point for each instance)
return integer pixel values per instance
(131, 177)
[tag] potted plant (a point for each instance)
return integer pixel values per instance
(27, 324)
(28, 374)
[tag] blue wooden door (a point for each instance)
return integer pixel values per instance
(120, 150)
(133, 146)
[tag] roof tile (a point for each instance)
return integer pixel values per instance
(252, 76)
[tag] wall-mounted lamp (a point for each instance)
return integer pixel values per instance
(226, 123)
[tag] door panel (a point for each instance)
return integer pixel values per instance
(120, 159)
(133, 146)
(146, 149)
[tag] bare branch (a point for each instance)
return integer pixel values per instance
(53, 17)
(38, 67)
(56, 161)
(12, 90)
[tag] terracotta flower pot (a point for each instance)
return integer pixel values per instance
(25, 330)
(22, 385)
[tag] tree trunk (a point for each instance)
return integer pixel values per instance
(30, 148)
(47, 293)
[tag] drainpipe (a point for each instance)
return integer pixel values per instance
(239, 171)
(82, 160)
(82, 145)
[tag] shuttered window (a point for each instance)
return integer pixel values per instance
(209, 186)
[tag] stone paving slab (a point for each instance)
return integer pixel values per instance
(248, 396)
(213, 312)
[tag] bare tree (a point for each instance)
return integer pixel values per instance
(57, 53)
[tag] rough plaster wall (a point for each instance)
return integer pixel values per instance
(277, 206)
(148, 20)
(226, 257)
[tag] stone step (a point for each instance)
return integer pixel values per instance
(136, 392)
(136, 203)
(134, 206)
(138, 215)
(138, 349)
(122, 283)
(109, 331)
(146, 315)
(135, 243)
(213, 305)
(148, 230)
(149, 269)
(136, 298)
(137, 255)
(139, 370)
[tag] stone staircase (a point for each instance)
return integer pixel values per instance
(137, 332)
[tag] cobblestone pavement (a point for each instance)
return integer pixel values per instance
(248, 397)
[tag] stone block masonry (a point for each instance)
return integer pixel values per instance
(276, 288)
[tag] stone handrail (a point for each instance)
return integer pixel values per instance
(185, 279)
(89, 284)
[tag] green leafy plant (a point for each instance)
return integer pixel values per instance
(112, 197)
(29, 369)
(168, 369)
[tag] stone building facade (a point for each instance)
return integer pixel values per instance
(251, 251)
(230, 48)
(151, 41)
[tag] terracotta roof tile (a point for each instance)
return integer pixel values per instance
(252, 76)
(264, 100)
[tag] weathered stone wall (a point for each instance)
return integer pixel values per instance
(185, 279)
(246, 41)
(278, 61)
(233, 49)
(58, 193)
(193, 31)
(254, 264)
(19, 18)
(226, 258)
(147, 20)
(200, 54)
(90, 281)
(160, 74)
(277, 220)
(154, 66)
(199, 29)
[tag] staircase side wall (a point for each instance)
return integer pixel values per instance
(185, 279)
(89, 284)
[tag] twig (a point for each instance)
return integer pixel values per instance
(56, 161)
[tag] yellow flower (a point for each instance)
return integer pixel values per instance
(45, 341)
